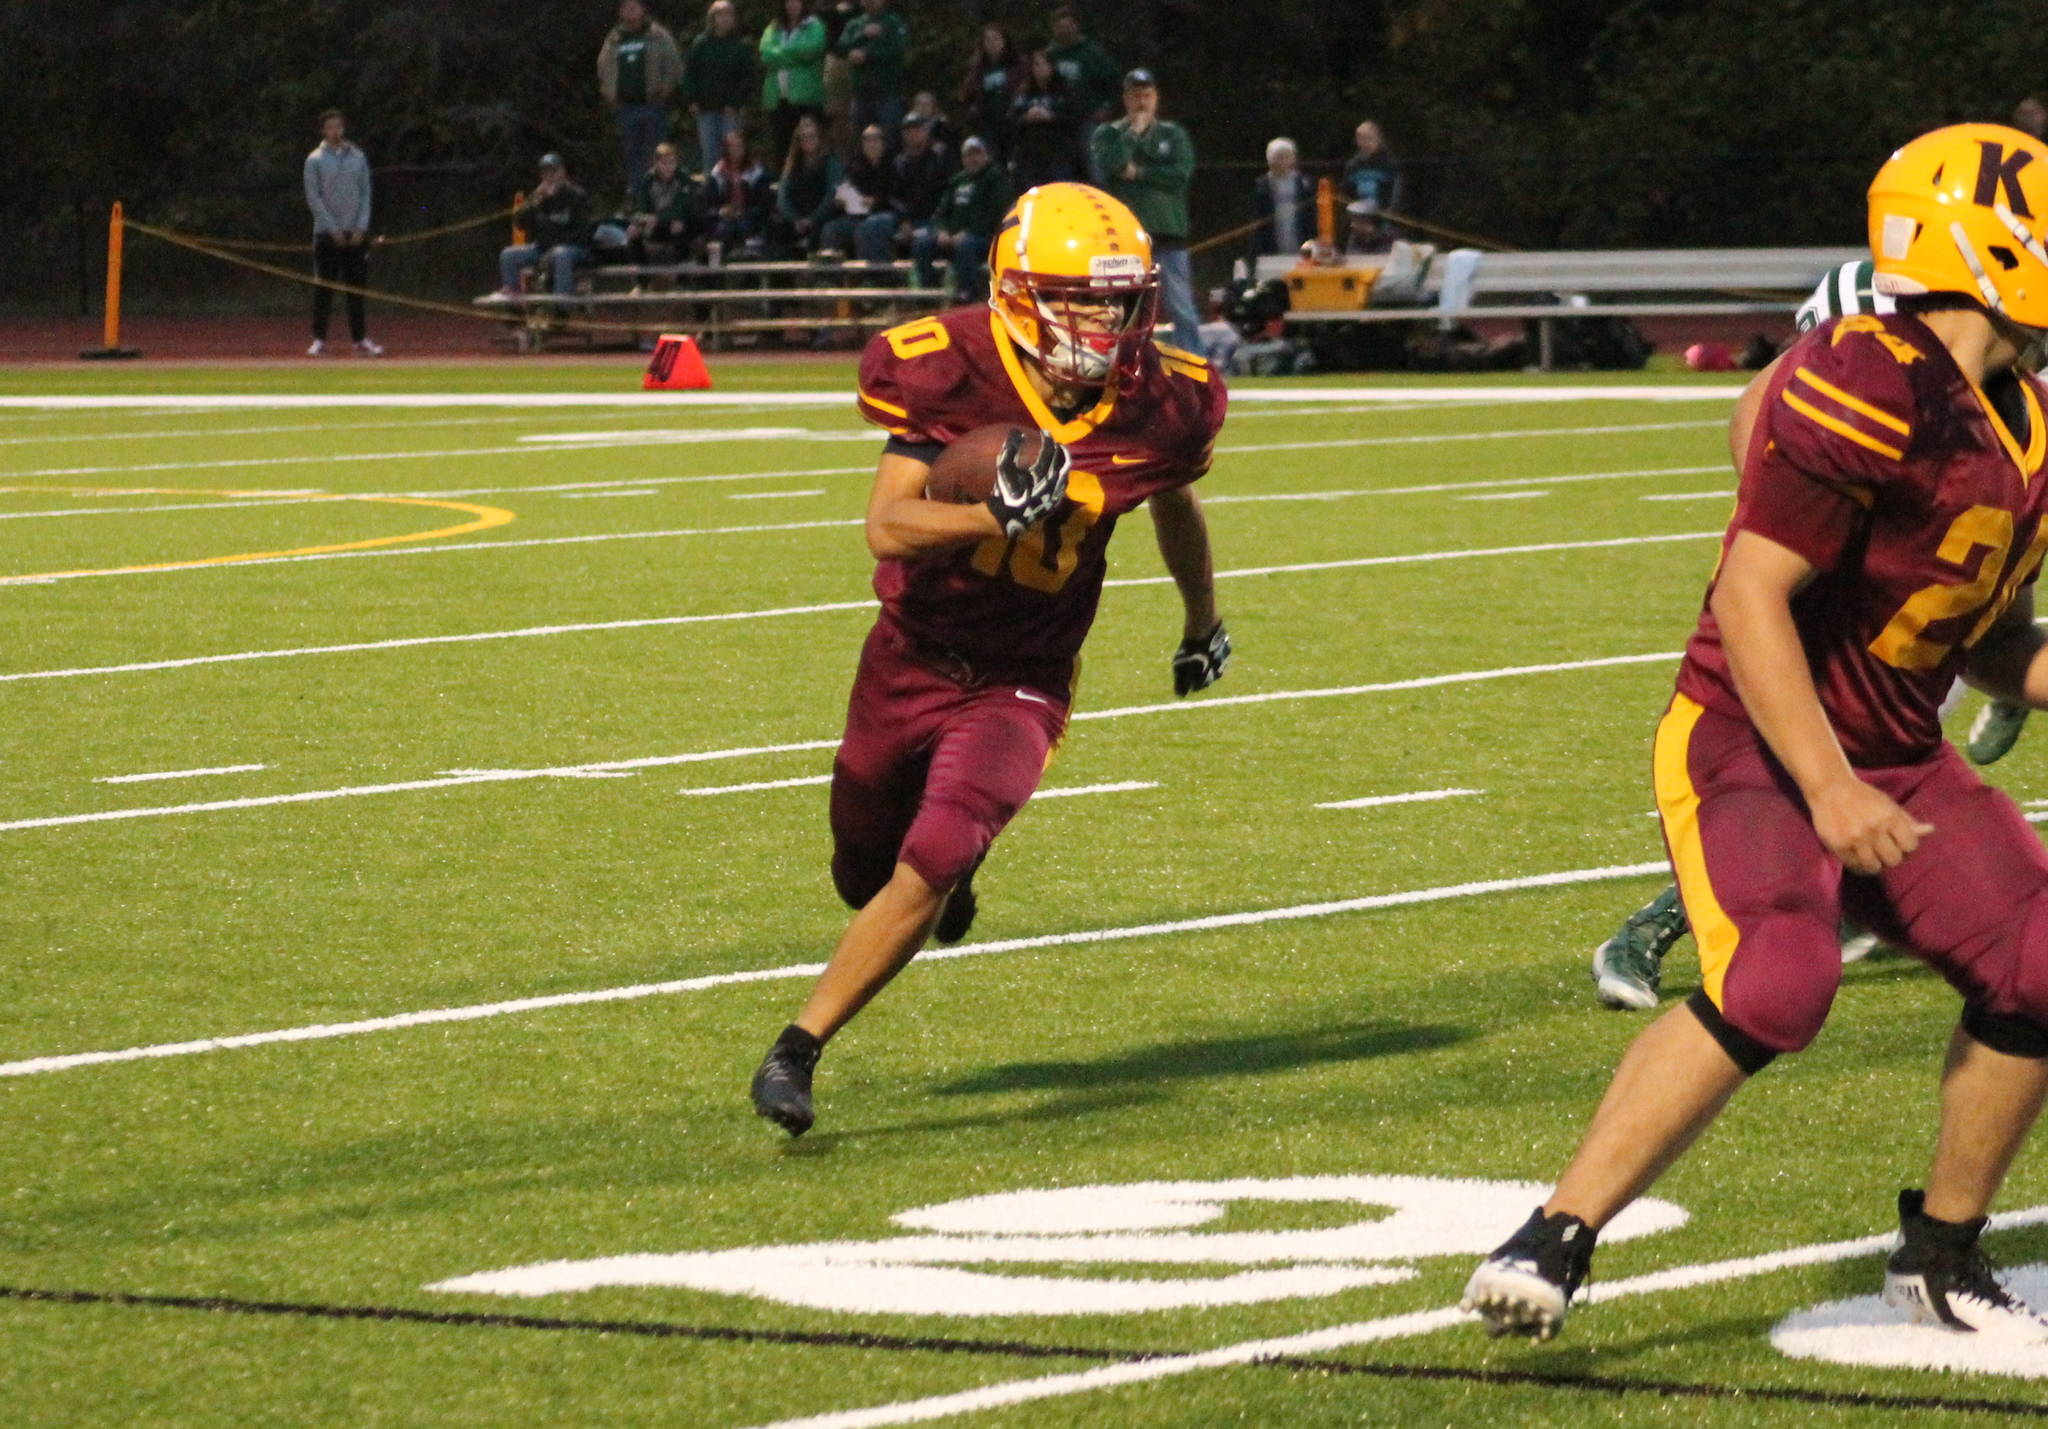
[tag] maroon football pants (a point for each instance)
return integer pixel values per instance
(1764, 894)
(932, 766)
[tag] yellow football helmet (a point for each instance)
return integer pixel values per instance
(1072, 278)
(1964, 210)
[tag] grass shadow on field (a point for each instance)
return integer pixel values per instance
(1213, 1057)
(823, 1143)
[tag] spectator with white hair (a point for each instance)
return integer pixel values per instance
(1282, 199)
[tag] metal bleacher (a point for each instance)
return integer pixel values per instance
(1564, 286)
(721, 302)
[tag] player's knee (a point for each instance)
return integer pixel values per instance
(1778, 990)
(2025, 1024)
(945, 843)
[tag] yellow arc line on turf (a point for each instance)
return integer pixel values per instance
(487, 517)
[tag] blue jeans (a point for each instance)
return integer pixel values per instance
(1177, 297)
(871, 239)
(641, 127)
(711, 127)
(561, 260)
(970, 253)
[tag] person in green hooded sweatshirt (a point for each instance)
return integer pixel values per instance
(874, 44)
(793, 71)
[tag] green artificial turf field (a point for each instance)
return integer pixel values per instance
(578, 748)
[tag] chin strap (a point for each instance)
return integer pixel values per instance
(1976, 265)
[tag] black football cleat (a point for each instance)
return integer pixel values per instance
(782, 1083)
(1938, 1276)
(1526, 1287)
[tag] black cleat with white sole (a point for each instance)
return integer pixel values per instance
(1940, 1276)
(1526, 1286)
(782, 1083)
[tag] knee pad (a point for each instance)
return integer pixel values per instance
(1778, 988)
(946, 841)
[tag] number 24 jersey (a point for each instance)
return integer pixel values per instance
(1882, 464)
(1021, 608)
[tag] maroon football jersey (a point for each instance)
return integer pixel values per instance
(1021, 608)
(1880, 462)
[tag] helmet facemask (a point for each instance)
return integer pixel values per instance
(1079, 331)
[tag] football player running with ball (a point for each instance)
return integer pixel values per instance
(1887, 533)
(1628, 968)
(965, 680)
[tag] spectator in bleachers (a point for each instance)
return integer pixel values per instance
(738, 196)
(556, 220)
(964, 224)
(1092, 76)
(992, 77)
(1283, 201)
(1371, 173)
(337, 179)
(874, 44)
(718, 79)
(865, 220)
(1148, 162)
(924, 107)
(922, 174)
(806, 195)
(1045, 129)
(793, 85)
(2030, 116)
(638, 67)
(664, 219)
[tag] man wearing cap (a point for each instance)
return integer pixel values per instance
(556, 219)
(1147, 162)
(965, 221)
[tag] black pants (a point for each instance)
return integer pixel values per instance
(336, 264)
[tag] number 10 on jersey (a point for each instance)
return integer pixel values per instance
(1045, 556)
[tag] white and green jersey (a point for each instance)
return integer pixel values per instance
(1849, 289)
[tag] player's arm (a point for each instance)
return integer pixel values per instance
(1752, 602)
(2008, 663)
(902, 523)
(1183, 535)
(1747, 408)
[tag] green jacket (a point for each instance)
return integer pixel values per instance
(794, 64)
(880, 72)
(1165, 159)
(719, 74)
(974, 203)
(1091, 75)
(672, 202)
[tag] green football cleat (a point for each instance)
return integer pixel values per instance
(1994, 731)
(1628, 966)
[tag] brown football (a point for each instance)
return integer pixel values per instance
(966, 470)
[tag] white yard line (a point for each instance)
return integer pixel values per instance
(479, 1011)
(455, 778)
(179, 774)
(1689, 496)
(600, 495)
(335, 458)
(1312, 1342)
(1504, 496)
(1641, 392)
(320, 429)
(161, 508)
(1423, 796)
(805, 782)
(1076, 791)
(770, 495)
(650, 622)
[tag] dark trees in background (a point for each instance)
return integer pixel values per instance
(1538, 122)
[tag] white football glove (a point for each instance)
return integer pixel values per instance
(1026, 495)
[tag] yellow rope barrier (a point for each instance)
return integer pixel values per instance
(254, 245)
(555, 320)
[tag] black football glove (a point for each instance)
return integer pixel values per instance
(1199, 662)
(1026, 495)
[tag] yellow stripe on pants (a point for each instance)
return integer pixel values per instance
(1678, 804)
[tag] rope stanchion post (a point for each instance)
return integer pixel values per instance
(111, 331)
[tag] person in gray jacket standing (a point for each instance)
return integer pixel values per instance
(638, 68)
(338, 192)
